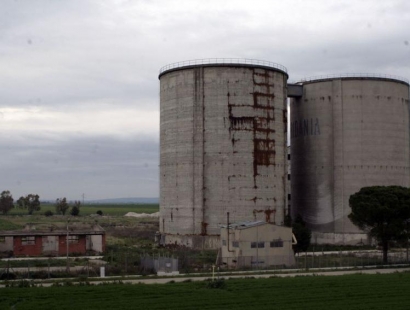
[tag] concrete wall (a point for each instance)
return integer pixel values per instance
(50, 245)
(346, 134)
(97, 243)
(7, 244)
(223, 147)
(263, 233)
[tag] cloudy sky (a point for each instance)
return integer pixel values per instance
(79, 89)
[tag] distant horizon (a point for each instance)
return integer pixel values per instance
(113, 200)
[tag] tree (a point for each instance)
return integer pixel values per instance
(21, 203)
(31, 202)
(6, 202)
(75, 210)
(61, 205)
(302, 234)
(381, 211)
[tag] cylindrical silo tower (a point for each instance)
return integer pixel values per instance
(222, 147)
(347, 132)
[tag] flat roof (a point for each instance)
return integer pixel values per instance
(222, 62)
(244, 225)
(354, 76)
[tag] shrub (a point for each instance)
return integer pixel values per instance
(218, 283)
(99, 212)
(8, 276)
(48, 213)
(75, 211)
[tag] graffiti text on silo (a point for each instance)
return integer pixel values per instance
(305, 127)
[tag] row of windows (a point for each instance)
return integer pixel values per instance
(258, 245)
(261, 244)
(31, 240)
(73, 239)
(28, 240)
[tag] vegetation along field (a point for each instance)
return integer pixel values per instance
(17, 218)
(314, 292)
(107, 209)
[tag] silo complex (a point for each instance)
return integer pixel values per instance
(346, 133)
(223, 147)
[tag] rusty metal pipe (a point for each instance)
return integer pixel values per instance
(227, 228)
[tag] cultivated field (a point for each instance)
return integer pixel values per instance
(387, 291)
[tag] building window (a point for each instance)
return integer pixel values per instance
(276, 243)
(235, 244)
(2, 239)
(288, 156)
(258, 245)
(288, 177)
(288, 196)
(28, 240)
(73, 239)
(223, 242)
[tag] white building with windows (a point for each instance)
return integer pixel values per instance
(256, 244)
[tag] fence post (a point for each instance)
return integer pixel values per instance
(306, 261)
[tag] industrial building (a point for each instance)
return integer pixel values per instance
(224, 147)
(257, 245)
(53, 241)
(347, 132)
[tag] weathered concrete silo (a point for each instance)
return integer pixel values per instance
(223, 147)
(347, 132)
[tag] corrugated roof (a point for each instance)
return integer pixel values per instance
(244, 225)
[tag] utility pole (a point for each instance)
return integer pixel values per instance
(83, 198)
(66, 241)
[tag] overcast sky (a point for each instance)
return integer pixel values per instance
(79, 89)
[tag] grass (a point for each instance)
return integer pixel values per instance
(387, 291)
(7, 225)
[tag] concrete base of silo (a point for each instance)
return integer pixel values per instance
(208, 242)
(341, 239)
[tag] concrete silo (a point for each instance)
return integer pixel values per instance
(223, 147)
(347, 132)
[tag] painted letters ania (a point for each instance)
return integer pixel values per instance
(305, 127)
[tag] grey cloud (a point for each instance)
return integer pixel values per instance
(97, 166)
(87, 56)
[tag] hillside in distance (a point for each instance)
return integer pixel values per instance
(129, 200)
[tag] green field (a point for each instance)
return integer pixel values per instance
(314, 292)
(107, 209)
